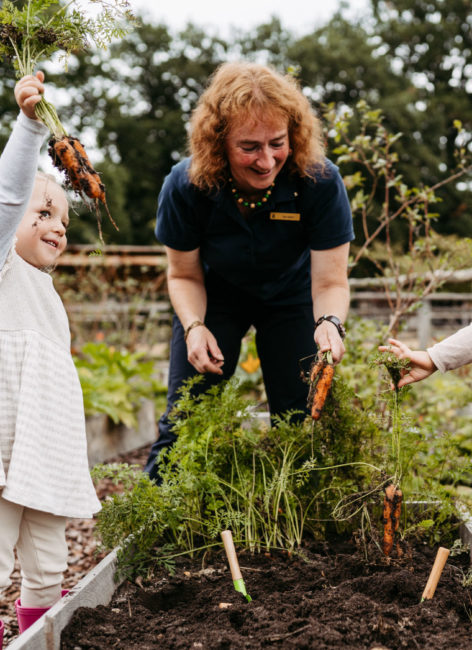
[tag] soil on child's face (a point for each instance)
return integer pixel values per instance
(329, 598)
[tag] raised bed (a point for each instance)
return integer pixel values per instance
(99, 587)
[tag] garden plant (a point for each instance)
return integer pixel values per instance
(388, 210)
(115, 382)
(304, 505)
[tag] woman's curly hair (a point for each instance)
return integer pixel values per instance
(250, 91)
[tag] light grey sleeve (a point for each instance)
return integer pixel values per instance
(18, 167)
(454, 351)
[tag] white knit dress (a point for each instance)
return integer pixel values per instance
(43, 445)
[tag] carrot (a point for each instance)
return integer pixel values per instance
(316, 367)
(69, 155)
(322, 389)
(391, 516)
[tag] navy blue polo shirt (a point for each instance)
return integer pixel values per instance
(266, 254)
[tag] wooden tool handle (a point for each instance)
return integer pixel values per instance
(438, 566)
(227, 538)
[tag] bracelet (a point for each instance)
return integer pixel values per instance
(336, 322)
(196, 323)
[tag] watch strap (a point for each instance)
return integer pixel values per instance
(336, 322)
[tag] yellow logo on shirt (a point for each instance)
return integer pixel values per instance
(285, 216)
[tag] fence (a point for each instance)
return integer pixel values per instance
(134, 306)
(439, 314)
(118, 295)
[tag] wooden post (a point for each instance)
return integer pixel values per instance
(423, 328)
(438, 566)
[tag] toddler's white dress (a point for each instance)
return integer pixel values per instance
(43, 444)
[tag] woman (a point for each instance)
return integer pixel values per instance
(256, 225)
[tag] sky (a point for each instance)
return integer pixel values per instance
(299, 16)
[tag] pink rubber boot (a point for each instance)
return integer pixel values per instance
(1, 634)
(28, 615)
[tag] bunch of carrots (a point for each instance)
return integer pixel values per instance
(69, 156)
(320, 379)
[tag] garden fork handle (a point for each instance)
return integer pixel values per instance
(227, 538)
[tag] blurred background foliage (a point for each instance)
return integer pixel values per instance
(130, 104)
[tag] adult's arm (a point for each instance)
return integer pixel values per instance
(187, 293)
(330, 292)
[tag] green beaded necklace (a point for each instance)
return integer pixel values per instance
(249, 204)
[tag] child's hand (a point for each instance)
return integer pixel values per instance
(421, 364)
(28, 92)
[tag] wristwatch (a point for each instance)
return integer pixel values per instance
(336, 322)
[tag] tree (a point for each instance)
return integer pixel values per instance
(137, 98)
(131, 105)
(268, 41)
(379, 61)
(430, 44)
(8, 106)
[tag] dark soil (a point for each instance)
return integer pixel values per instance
(329, 598)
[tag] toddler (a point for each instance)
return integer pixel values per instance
(44, 476)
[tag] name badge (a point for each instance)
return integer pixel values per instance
(285, 216)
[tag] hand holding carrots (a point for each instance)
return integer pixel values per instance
(421, 364)
(203, 351)
(28, 92)
(327, 338)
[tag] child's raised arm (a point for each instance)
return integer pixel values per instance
(19, 161)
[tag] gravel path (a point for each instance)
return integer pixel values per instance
(83, 554)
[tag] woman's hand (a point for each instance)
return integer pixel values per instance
(421, 364)
(327, 338)
(188, 296)
(28, 92)
(203, 351)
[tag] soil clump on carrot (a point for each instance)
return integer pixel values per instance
(69, 156)
(329, 598)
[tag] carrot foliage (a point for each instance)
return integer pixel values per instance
(34, 30)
